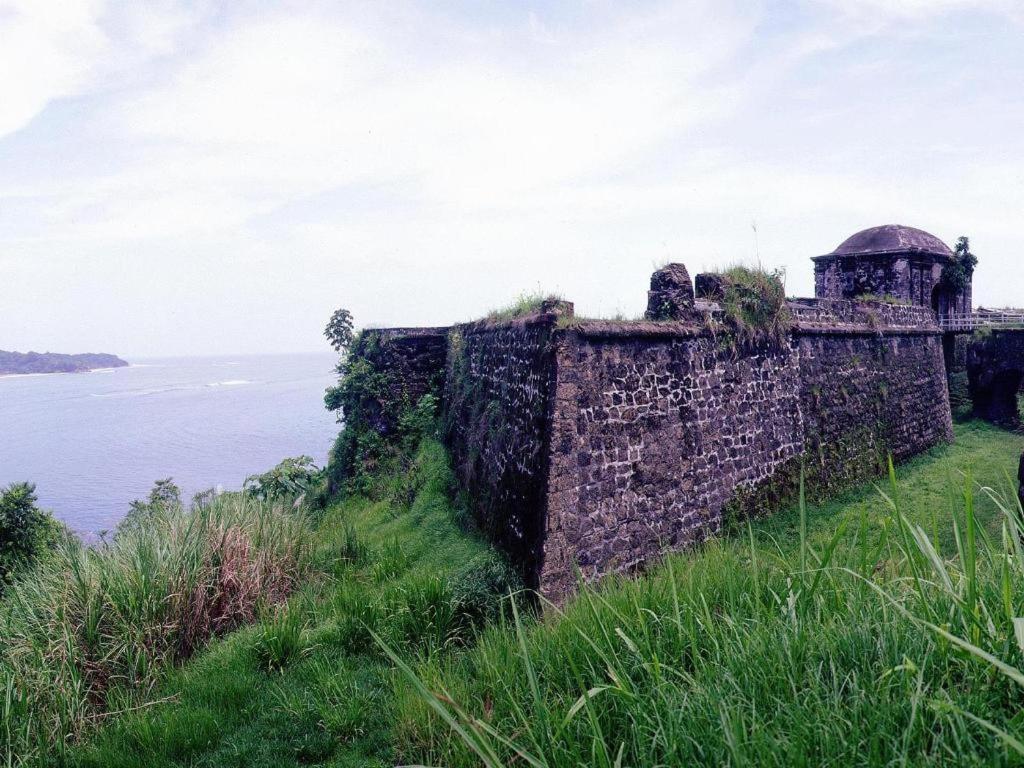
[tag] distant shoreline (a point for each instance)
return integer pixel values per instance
(44, 363)
(59, 373)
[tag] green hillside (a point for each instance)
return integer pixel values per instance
(799, 640)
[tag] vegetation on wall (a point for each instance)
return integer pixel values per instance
(381, 427)
(357, 399)
(884, 298)
(524, 304)
(754, 309)
(494, 421)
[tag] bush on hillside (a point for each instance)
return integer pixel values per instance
(293, 478)
(164, 500)
(482, 586)
(26, 531)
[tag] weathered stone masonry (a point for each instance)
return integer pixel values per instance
(497, 390)
(995, 372)
(412, 360)
(654, 427)
(597, 444)
(656, 430)
(872, 383)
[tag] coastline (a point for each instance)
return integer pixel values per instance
(107, 369)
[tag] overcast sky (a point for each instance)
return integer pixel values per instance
(206, 177)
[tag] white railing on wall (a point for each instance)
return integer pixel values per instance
(972, 320)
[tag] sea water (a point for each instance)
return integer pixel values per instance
(93, 442)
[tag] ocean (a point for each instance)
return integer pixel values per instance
(93, 442)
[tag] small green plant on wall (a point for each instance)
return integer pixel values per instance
(754, 309)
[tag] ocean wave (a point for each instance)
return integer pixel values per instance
(229, 383)
(25, 375)
(139, 392)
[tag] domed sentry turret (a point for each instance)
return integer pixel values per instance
(892, 262)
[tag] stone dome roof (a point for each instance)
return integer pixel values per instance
(892, 237)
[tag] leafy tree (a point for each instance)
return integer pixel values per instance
(25, 530)
(339, 330)
(957, 275)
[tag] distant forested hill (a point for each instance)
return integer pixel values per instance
(51, 362)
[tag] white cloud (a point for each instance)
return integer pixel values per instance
(283, 108)
(287, 162)
(919, 9)
(48, 49)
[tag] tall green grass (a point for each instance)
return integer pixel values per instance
(874, 646)
(90, 632)
(785, 645)
(306, 683)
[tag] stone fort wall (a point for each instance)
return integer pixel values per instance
(598, 444)
(497, 401)
(653, 430)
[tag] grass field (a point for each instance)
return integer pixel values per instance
(768, 647)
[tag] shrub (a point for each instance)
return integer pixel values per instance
(293, 478)
(164, 501)
(481, 586)
(25, 530)
(280, 640)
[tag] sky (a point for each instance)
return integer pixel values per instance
(193, 177)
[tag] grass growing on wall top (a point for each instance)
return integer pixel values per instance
(885, 298)
(754, 309)
(851, 633)
(523, 305)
